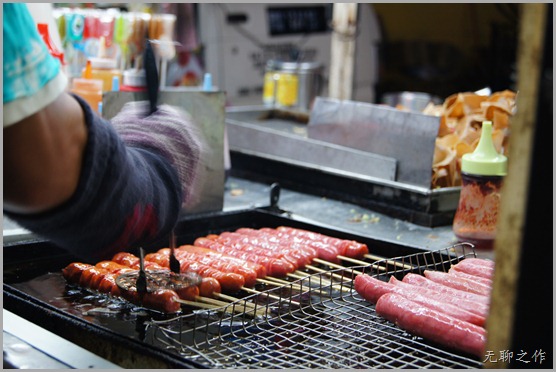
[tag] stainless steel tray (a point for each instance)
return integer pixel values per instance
(272, 146)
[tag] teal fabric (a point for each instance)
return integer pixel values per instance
(28, 65)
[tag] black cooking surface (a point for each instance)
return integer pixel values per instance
(122, 333)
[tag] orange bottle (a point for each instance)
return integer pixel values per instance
(90, 90)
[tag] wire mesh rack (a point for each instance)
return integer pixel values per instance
(318, 321)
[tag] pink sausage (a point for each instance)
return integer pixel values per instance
(432, 325)
(476, 266)
(425, 282)
(372, 289)
(474, 278)
(477, 308)
(462, 284)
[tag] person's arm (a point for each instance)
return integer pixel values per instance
(136, 172)
(84, 183)
(43, 154)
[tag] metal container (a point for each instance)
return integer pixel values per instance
(413, 101)
(272, 145)
(292, 84)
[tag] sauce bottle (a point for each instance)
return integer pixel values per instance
(482, 173)
(88, 89)
(105, 69)
(102, 68)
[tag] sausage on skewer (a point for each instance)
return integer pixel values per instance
(207, 288)
(104, 281)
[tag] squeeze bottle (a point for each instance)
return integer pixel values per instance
(482, 173)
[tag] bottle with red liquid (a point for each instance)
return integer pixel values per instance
(482, 173)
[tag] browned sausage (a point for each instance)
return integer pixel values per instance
(209, 286)
(188, 293)
(91, 277)
(73, 271)
(249, 275)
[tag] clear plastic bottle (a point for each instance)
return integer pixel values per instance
(482, 173)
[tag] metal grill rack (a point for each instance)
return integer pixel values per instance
(318, 321)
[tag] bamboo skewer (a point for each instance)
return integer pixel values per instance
(262, 293)
(277, 298)
(373, 257)
(394, 262)
(270, 282)
(197, 304)
(302, 275)
(331, 284)
(333, 275)
(280, 282)
(259, 309)
(362, 263)
(318, 260)
(211, 301)
(229, 298)
(212, 304)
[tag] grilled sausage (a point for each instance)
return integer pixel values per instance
(114, 267)
(474, 307)
(323, 250)
(293, 251)
(126, 259)
(298, 253)
(348, 248)
(188, 293)
(164, 300)
(231, 282)
(432, 325)
(132, 261)
(102, 280)
(371, 289)
(425, 282)
(273, 263)
(460, 283)
(209, 286)
(476, 266)
(72, 272)
(249, 275)
(91, 277)
(108, 285)
(258, 268)
(473, 278)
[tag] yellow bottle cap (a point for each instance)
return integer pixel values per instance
(485, 160)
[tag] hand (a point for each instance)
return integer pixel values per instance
(170, 132)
